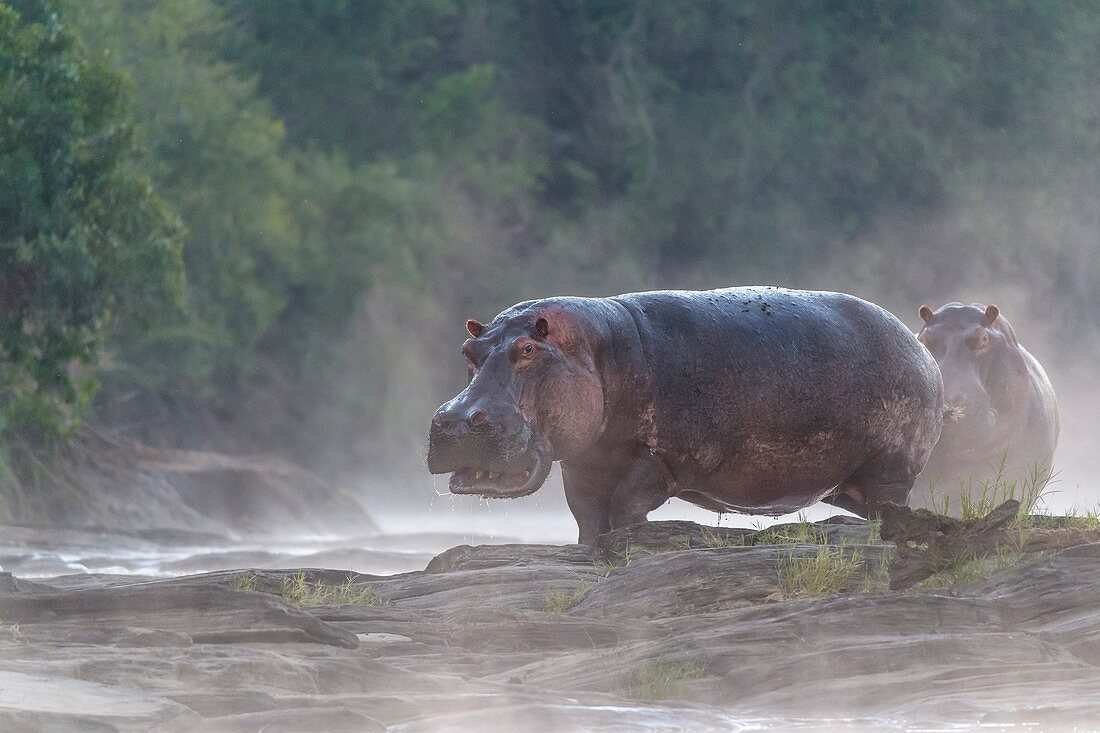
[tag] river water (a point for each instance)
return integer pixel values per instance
(407, 540)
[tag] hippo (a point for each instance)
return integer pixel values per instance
(1001, 423)
(749, 399)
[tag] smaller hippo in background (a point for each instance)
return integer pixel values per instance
(1000, 408)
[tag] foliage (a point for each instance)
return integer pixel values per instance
(801, 532)
(246, 581)
(560, 601)
(281, 244)
(355, 179)
(827, 571)
(85, 243)
(968, 569)
(980, 495)
(715, 540)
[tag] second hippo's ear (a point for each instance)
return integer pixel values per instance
(542, 329)
(475, 329)
(925, 314)
(991, 314)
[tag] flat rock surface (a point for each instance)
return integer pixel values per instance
(664, 627)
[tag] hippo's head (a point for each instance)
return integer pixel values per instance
(979, 357)
(534, 397)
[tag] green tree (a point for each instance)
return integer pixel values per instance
(85, 243)
(281, 245)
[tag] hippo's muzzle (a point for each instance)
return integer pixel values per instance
(484, 461)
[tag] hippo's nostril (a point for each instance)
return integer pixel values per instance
(477, 418)
(437, 421)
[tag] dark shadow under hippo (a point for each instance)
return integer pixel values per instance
(1002, 416)
(750, 399)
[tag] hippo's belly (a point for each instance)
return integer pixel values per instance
(778, 476)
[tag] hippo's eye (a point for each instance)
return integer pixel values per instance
(528, 349)
(979, 342)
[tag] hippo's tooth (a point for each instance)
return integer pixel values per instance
(492, 475)
(526, 475)
(481, 473)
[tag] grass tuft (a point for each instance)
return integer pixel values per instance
(802, 532)
(623, 559)
(979, 498)
(715, 540)
(965, 570)
(1073, 519)
(299, 591)
(246, 581)
(659, 680)
(559, 601)
(829, 571)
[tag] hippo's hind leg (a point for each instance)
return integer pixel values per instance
(883, 478)
(849, 498)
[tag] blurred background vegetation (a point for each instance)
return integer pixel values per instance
(258, 225)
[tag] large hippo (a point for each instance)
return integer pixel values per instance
(1002, 417)
(749, 399)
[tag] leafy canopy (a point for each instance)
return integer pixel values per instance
(85, 243)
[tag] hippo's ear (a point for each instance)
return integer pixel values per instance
(925, 314)
(541, 330)
(991, 314)
(475, 328)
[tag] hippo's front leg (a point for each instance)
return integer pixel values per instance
(606, 492)
(588, 493)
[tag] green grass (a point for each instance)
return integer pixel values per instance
(299, 591)
(965, 570)
(1072, 519)
(559, 601)
(245, 581)
(828, 571)
(979, 498)
(715, 540)
(1088, 519)
(627, 556)
(876, 579)
(802, 532)
(659, 680)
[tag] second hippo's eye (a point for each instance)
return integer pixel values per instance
(979, 342)
(528, 349)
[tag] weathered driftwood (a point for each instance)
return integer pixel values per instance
(929, 543)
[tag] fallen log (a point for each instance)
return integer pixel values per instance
(930, 543)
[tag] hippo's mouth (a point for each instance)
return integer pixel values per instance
(502, 485)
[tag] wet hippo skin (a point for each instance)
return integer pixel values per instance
(749, 399)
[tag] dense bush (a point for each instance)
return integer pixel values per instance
(85, 244)
(356, 178)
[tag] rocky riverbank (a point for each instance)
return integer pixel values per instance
(665, 626)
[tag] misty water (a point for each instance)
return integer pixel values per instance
(409, 535)
(407, 539)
